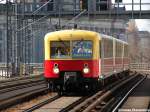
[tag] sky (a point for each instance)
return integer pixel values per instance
(137, 6)
(142, 24)
(4, 1)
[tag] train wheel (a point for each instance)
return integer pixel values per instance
(60, 93)
(60, 90)
(50, 86)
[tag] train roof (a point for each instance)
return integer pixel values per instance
(73, 31)
(110, 37)
(66, 33)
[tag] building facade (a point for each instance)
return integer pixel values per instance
(27, 44)
(2, 39)
(67, 5)
(144, 49)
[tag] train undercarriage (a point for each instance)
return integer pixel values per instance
(76, 83)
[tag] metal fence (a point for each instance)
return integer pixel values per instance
(25, 69)
(140, 66)
(37, 69)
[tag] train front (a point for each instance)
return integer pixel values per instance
(70, 59)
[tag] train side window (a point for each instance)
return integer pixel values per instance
(108, 48)
(118, 49)
(126, 52)
(100, 49)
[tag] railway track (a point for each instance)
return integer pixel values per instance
(37, 106)
(21, 78)
(124, 96)
(18, 90)
(102, 100)
(97, 102)
(57, 104)
(54, 104)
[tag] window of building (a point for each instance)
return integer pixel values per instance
(84, 4)
(0, 35)
(50, 5)
(1, 53)
(118, 1)
(101, 5)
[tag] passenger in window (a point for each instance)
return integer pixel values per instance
(58, 52)
(81, 50)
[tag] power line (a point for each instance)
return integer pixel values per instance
(35, 12)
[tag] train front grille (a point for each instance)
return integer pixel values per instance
(70, 76)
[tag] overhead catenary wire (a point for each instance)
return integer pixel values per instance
(31, 24)
(35, 12)
(21, 27)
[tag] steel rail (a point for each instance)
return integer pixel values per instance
(117, 96)
(16, 91)
(20, 87)
(107, 94)
(20, 98)
(20, 78)
(99, 94)
(127, 94)
(17, 83)
(68, 108)
(42, 104)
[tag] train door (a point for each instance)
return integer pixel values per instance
(84, 4)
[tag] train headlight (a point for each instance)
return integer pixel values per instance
(56, 70)
(86, 70)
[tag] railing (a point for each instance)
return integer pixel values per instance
(37, 68)
(28, 69)
(140, 66)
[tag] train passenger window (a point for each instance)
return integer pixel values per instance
(126, 51)
(82, 49)
(60, 49)
(108, 48)
(118, 49)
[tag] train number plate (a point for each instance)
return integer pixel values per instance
(70, 73)
(70, 76)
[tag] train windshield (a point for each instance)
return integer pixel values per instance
(60, 49)
(82, 49)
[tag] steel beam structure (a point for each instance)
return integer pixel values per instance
(67, 9)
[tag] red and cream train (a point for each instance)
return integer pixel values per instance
(81, 58)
